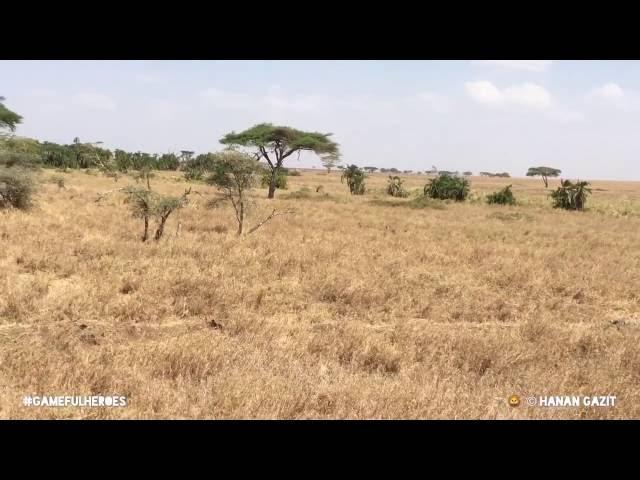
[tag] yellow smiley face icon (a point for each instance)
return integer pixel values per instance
(514, 400)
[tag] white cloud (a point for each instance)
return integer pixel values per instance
(484, 92)
(96, 101)
(527, 95)
(609, 90)
(223, 99)
(612, 95)
(528, 65)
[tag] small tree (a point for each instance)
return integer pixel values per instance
(276, 143)
(502, 197)
(141, 201)
(370, 169)
(16, 189)
(235, 175)
(330, 161)
(571, 196)
(543, 172)
(144, 175)
(147, 204)
(164, 207)
(355, 179)
(185, 155)
(395, 187)
(8, 119)
(447, 187)
(467, 174)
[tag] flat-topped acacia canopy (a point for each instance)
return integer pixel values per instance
(275, 143)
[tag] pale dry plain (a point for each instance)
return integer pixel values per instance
(354, 307)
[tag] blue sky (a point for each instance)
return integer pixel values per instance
(580, 116)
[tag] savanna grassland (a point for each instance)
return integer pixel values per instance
(359, 307)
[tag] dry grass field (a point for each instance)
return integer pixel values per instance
(353, 307)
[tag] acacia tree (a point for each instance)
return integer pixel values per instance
(146, 204)
(370, 169)
(8, 119)
(276, 143)
(330, 161)
(543, 172)
(234, 174)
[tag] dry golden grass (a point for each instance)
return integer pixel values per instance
(355, 307)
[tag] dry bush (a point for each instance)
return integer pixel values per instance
(16, 188)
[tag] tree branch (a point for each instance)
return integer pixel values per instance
(286, 154)
(235, 207)
(273, 214)
(266, 156)
(102, 195)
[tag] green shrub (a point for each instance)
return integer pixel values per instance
(502, 197)
(355, 179)
(19, 159)
(395, 188)
(571, 196)
(146, 204)
(281, 179)
(447, 187)
(16, 189)
(193, 174)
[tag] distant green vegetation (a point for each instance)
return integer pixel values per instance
(28, 152)
(355, 178)
(395, 187)
(571, 196)
(447, 187)
(502, 197)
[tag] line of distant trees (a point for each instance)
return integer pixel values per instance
(22, 150)
(489, 174)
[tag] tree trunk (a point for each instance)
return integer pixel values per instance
(160, 229)
(146, 229)
(272, 183)
(163, 221)
(241, 217)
